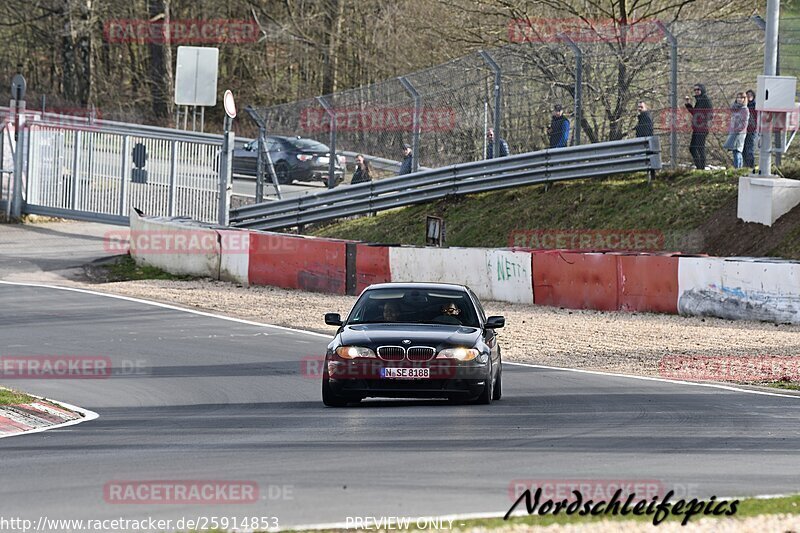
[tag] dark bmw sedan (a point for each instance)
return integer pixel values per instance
(294, 158)
(414, 340)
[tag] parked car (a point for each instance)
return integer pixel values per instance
(430, 340)
(294, 158)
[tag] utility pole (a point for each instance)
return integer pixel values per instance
(770, 66)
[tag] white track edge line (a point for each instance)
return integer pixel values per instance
(650, 378)
(313, 333)
(166, 306)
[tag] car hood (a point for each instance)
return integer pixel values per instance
(434, 335)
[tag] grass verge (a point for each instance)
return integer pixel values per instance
(124, 268)
(785, 385)
(675, 203)
(12, 397)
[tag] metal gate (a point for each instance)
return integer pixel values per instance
(98, 171)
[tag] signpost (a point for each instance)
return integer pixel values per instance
(226, 160)
(196, 73)
(18, 87)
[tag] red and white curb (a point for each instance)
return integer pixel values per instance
(38, 416)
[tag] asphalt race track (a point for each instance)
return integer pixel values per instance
(214, 399)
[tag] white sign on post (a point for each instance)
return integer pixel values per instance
(776, 93)
(196, 76)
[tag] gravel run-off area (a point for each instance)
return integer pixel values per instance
(632, 343)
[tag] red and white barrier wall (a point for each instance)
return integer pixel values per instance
(736, 288)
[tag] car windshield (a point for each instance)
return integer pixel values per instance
(309, 145)
(415, 306)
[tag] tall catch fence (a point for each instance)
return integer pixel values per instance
(597, 74)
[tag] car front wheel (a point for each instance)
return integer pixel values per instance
(330, 398)
(498, 384)
(487, 395)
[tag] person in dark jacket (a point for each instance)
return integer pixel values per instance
(702, 115)
(405, 166)
(752, 128)
(490, 145)
(644, 122)
(559, 128)
(363, 171)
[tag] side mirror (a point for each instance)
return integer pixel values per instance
(333, 319)
(495, 322)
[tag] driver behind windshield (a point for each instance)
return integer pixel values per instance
(449, 314)
(391, 312)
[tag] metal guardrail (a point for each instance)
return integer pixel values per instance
(545, 166)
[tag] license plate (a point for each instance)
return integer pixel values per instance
(406, 373)
(323, 160)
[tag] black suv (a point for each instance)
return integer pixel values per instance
(294, 158)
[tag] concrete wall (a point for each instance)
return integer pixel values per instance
(734, 288)
(155, 242)
(739, 288)
(510, 276)
(464, 266)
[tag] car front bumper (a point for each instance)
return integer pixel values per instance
(448, 379)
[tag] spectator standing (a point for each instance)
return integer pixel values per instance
(644, 122)
(490, 145)
(408, 156)
(702, 114)
(363, 171)
(752, 129)
(737, 131)
(559, 128)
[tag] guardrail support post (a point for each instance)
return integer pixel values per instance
(332, 163)
(498, 98)
(416, 125)
(673, 94)
(578, 91)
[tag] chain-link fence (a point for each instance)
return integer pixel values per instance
(597, 74)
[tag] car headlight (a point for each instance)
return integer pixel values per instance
(460, 354)
(354, 352)
(304, 157)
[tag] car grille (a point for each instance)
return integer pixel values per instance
(391, 353)
(398, 353)
(421, 353)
